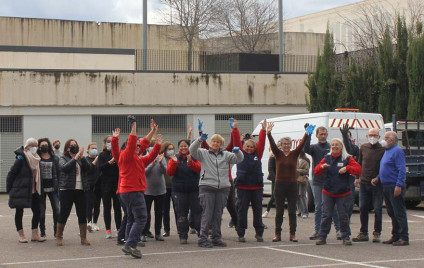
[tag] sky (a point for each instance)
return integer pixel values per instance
(129, 11)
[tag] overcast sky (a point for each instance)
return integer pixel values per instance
(129, 10)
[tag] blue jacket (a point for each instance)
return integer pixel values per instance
(249, 172)
(335, 183)
(393, 168)
(185, 180)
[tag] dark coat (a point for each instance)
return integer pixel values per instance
(19, 182)
(67, 179)
(109, 174)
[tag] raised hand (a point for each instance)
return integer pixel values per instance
(153, 125)
(231, 122)
(189, 128)
(131, 119)
(269, 127)
(199, 124)
(116, 132)
(264, 124)
(310, 129)
(236, 149)
(174, 158)
(345, 129)
(161, 157)
(204, 136)
(306, 125)
(235, 123)
(159, 139)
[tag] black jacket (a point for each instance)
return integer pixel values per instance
(92, 175)
(19, 182)
(109, 174)
(67, 179)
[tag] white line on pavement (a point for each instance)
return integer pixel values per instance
(324, 258)
(419, 216)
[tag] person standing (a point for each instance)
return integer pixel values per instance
(168, 151)
(271, 177)
(370, 189)
(72, 184)
(23, 184)
(249, 182)
(335, 167)
(214, 185)
(155, 193)
(49, 173)
(286, 180)
(132, 181)
(109, 176)
(303, 165)
(185, 189)
(393, 177)
(92, 177)
(56, 146)
(317, 152)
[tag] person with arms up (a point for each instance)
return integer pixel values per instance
(370, 189)
(393, 177)
(23, 184)
(214, 185)
(335, 168)
(132, 181)
(286, 180)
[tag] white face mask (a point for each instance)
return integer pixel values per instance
(383, 143)
(372, 140)
(33, 150)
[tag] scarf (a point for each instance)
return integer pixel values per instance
(33, 161)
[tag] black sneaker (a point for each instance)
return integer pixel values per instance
(149, 235)
(219, 243)
(320, 241)
(259, 238)
(120, 242)
(347, 242)
(206, 244)
(231, 224)
(159, 238)
(166, 234)
(141, 244)
(315, 236)
(132, 251)
(183, 241)
(361, 237)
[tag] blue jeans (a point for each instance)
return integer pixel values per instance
(317, 192)
(371, 195)
(136, 216)
(329, 204)
(352, 195)
(397, 211)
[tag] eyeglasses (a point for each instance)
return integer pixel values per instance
(373, 135)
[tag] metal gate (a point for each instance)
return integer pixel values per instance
(245, 124)
(172, 127)
(11, 137)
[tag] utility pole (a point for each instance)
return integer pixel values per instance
(281, 35)
(145, 35)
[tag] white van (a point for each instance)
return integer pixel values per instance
(293, 127)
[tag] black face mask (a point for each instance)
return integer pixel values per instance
(44, 149)
(73, 149)
(57, 146)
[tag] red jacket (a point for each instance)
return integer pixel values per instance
(171, 169)
(132, 177)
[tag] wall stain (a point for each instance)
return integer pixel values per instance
(57, 77)
(250, 91)
(217, 77)
(205, 77)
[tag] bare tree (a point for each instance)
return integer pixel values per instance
(194, 17)
(248, 23)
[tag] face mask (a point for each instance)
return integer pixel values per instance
(74, 149)
(44, 149)
(33, 150)
(108, 145)
(57, 146)
(93, 151)
(383, 143)
(372, 140)
(170, 152)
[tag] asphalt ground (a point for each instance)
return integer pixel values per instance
(105, 253)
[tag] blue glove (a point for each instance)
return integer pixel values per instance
(19, 157)
(199, 124)
(310, 129)
(204, 136)
(236, 149)
(230, 120)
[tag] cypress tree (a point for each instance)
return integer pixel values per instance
(402, 90)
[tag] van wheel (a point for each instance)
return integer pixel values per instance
(310, 197)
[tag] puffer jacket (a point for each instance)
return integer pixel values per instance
(214, 172)
(67, 179)
(19, 182)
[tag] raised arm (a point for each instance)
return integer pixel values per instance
(260, 146)
(274, 147)
(153, 129)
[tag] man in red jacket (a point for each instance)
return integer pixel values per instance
(132, 182)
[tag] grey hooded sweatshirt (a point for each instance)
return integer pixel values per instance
(214, 172)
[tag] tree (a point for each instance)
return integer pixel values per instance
(324, 84)
(194, 18)
(402, 90)
(415, 69)
(249, 23)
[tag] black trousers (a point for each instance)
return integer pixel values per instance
(231, 204)
(244, 199)
(158, 207)
(67, 199)
(35, 207)
(183, 203)
(167, 210)
(108, 197)
(54, 202)
(282, 192)
(97, 202)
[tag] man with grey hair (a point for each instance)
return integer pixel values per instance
(370, 189)
(392, 175)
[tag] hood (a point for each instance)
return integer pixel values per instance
(19, 151)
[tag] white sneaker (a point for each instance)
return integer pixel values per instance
(95, 227)
(265, 215)
(89, 227)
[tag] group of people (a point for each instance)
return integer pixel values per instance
(147, 171)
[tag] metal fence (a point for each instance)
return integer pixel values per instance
(203, 61)
(11, 137)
